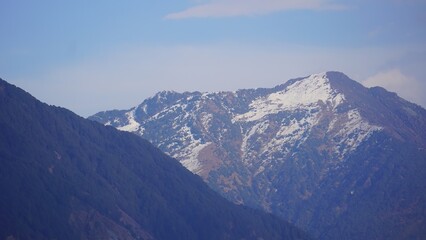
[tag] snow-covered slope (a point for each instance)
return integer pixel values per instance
(272, 148)
(302, 94)
(303, 104)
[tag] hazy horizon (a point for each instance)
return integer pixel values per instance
(100, 55)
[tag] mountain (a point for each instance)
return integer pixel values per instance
(65, 177)
(324, 152)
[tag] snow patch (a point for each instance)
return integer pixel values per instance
(296, 132)
(191, 161)
(206, 119)
(353, 132)
(132, 125)
(305, 93)
(258, 128)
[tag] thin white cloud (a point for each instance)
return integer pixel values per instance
(405, 86)
(231, 8)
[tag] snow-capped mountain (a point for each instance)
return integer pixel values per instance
(315, 150)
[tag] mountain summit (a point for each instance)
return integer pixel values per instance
(324, 152)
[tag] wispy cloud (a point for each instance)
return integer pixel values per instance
(231, 8)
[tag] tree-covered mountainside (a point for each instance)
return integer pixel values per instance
(64, 177)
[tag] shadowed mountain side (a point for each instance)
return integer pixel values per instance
(64, 177)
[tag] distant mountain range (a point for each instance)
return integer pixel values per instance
(65, 177)
(337, 159)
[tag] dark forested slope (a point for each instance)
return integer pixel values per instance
(64, 177)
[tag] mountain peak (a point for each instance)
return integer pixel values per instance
(317, 76)
(338, 81)
(333, 74)
(304, 93)
(325, 75)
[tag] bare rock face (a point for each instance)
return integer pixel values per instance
(336, 158)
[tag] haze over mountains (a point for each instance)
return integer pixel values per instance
(325, 153)
(65, 177)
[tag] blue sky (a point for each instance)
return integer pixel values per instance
(94, 55)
